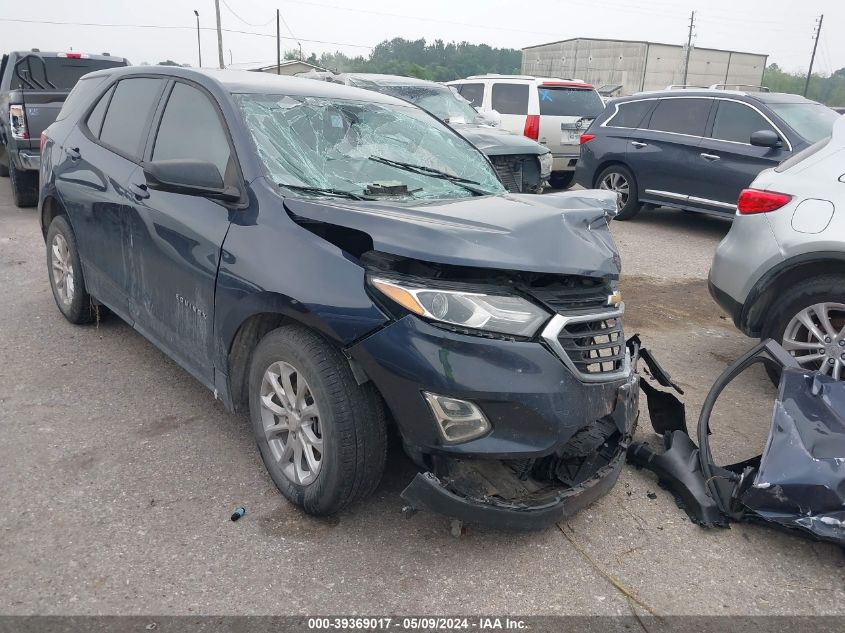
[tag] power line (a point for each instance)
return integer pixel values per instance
(232, 11)
(167, 26)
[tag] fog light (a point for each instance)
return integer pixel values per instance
(458, 420)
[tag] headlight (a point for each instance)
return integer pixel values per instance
(505, 314)
(546, 161)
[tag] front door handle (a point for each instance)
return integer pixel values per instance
(638, 144)
(710, 157)
(73, 153)
(141, 192)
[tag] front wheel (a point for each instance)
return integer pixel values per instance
(321, 436)
(620, 180)
(808, 320)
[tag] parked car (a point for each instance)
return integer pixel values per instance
(326, 258)
(839, 110)
(523, 165)
(695, 149)
(780, 271)
(554, 112)
(33, 88)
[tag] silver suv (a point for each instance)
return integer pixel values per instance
(780, 271)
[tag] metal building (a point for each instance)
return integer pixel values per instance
(621, 67)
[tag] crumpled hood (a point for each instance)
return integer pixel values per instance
(495, 141)
(562, 233)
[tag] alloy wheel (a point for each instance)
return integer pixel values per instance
(62, 269)
(615, 181)
(816, 338)
(291, 422)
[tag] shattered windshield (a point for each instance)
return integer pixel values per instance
(322, 146)
(442, 103)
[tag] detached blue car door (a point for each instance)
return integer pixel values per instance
(727, 161)
(176, 238)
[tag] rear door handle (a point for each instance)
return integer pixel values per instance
(710, 157)
(141, 192)
(73, 153)
(638, 144)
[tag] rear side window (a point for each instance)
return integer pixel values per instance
(681, 116)
(474, 93)
(737, 122)
(510, 98)
(79, 95)
(191, 128)
(95, 119)
(130, 108)
(579, 102)
(630, 114)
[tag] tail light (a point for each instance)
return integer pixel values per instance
(17, 122)
(755, 201)
(586, 138)
(72, 55)
(532, 126)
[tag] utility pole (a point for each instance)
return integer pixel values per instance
(219, 35)
(199, 44)
(818, 31)
(689, 47)
(278, 45)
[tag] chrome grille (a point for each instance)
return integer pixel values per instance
(591, 345)
(594, 347)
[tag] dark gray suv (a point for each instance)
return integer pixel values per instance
(694, 149)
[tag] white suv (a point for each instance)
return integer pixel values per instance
(780, 271)
(554, 112)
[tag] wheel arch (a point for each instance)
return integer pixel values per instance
(790, 272)
(50, 208)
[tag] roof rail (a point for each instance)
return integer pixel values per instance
(684, 87)
(740, 87)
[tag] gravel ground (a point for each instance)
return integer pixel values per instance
(119, 473)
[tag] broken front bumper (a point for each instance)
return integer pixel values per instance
(472, 496)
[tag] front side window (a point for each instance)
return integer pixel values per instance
(510, 98)
(191, 129)
(360, 147)
(681, 116)
(630, 114)
(129, 110)
(737, 122)
(474, 93)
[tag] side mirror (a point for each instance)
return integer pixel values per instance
(766, 138)
(189, 177)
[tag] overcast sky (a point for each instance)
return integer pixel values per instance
(781, 28)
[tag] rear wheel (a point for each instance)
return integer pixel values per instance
(808, 320)
(24, 186)
(4, 169)
(620, 179)
(65, 271)
(322, 436)
(561, 179)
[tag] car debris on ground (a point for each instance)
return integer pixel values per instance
(796, 483)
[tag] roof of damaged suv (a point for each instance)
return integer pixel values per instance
(248, 82)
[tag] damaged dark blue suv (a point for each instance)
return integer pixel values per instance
(332, 261)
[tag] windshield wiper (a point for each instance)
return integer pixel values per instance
(338, 193)
(422, 170)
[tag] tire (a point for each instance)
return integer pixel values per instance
(809, 296)
(561, 179)
(346, 439)
(611, 179)
(24, 186)
(71, 297)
